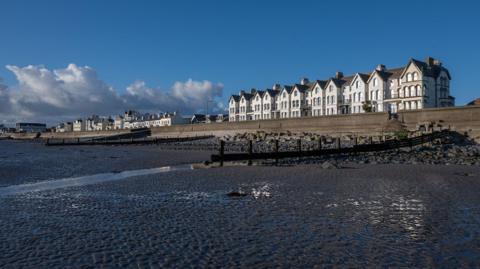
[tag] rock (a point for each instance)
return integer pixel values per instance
(236, 194)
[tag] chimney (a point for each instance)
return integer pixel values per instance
(437, 62)
(339, 75)
(242, 92)
(380, 67)
(429, 60)
(276, 86)
(253, 91)
(304, 81)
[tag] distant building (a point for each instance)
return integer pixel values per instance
(79, 125)
(216, 118)
(26, 127)
(118, 123)
(197, 118)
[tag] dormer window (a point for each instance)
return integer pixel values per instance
(356, 84)
(330, 88)
(284, 95)
(295, 93)
(375, 82)
(316, 90)
(409, 77)
(415, 76)
(257, 98)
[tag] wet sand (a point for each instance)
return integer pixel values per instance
(415, 216)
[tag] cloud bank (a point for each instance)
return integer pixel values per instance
(48, 95)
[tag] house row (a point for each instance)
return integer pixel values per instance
(417, 85)
(132, 119)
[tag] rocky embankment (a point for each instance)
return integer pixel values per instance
(454, 149)
(433, 155)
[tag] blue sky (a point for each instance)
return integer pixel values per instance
(240, 44)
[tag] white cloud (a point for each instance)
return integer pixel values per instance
(75, 91)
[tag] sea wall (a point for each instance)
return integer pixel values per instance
(463, 119)
(332, 125)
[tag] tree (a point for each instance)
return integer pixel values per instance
(367, 106)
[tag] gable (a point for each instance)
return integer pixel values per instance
(411, 67)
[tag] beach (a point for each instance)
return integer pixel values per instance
(355, 215)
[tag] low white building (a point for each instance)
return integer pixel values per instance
(79, 125)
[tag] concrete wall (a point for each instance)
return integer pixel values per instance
(336, 124)
(462, 119)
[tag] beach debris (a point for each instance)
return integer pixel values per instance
(328, 165)
(465, 174)
(239, 193)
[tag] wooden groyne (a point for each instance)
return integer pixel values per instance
(121, 141)
(276, 154)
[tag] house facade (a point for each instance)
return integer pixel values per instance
(417, 85)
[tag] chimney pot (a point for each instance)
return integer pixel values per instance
(304, 81)
(380, 67)
(430, 61)
(339, 75)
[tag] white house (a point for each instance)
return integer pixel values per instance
(419, 84)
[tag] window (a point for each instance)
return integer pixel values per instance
(409, 77)
(415, 76)
(330, 88)
(419, 90)
(375, 82)
(356, 84)
(377, 93)
(316, 90)
(295, 93)
(284, 95)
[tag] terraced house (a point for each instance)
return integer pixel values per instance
(417, 85)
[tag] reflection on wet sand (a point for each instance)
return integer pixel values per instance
(86, 180)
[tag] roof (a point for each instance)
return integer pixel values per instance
(429, 70)
(288, 89)
(301, 88)
(271, 92)
(475, 102)
(235, 97)
(364, 77)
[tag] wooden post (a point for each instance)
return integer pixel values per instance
(371, 140)
(222, 148)
(48, 141)
(319, 144)
(338, 143)
(78, 140)
(63, 141)
(276, 151)
(299, 146)
(250, 151)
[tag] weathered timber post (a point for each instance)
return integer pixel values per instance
(48, 141)
(63, 141)
(319, 144)
(338, 143)
(222, 150)
(371, 140)
(276, 151)
(299, 147)
(250, 151)
(78, 140)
